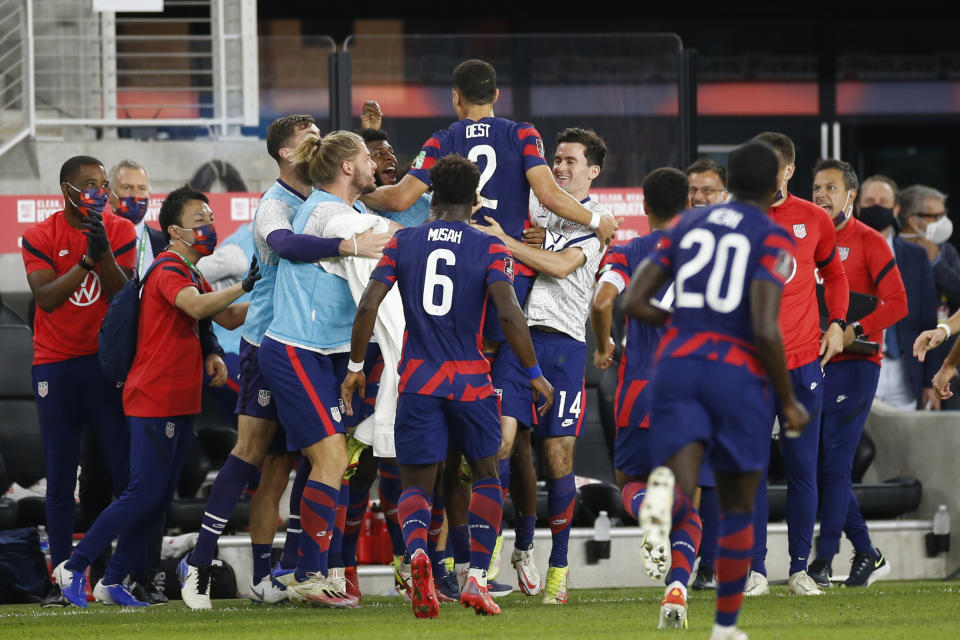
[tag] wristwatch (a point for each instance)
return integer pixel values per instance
(84, 265)
(839, 321)
(857, 330)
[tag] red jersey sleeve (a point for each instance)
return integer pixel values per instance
(531, 146)
(891, 294)
(663, 253)
(430, 152)
(123, 239)
(616, 260)
(386, 269)
(170, 279)
(500, 265)
(836, 288)
(37, 250)
(776, 258)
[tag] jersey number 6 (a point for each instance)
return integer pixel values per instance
(432, 280)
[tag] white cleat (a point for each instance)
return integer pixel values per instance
(801, 584)
(757, 585)
(267, 591)
(321, 590)
(727, 633)
(527, 575)
(194, 585)
(656, 519)
(673, 607)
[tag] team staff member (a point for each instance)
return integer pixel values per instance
(161, 394)
(130, 198)
(813, 231)
(75, 261)
(850, 379)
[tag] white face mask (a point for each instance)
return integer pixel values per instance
(939, 231)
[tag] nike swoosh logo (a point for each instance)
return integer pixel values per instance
(64, 252)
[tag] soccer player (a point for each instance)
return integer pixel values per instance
(850, 379)
(256, 408)
(446, 272)
(386, 174)
(75, 261)
(161, 394)
(728, 263)
(665, 194)
(807, 353)
(556, 312)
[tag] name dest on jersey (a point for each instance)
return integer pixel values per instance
(478, 130)
(444, 235)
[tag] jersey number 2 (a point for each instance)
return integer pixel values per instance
(490, 155)
(432, 280)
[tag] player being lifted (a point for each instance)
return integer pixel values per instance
(446, 272)
(556, 312)
(728, 263)
(664, 196)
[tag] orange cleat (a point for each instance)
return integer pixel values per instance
(474, 596)
(424, 592)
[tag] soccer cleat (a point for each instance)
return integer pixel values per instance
(423, 593)
(194, 585)
(320, 590)
(527, 576)
(757, 585)
(727, 633)
(338, 577)
(819, 571)
(401, 573)
(72, 585)
(285, 578)
(118, 594)
(354, 450)
(476, 597)
(801, 584)
(705, 579)
(498, 589)
(461, 570)
(656, 518)
(673, 607)
(54, 598)
(353, 583)
(147, 591)
(447, 588)
(867, 569)
(494, 569)
(555, 591)
(268, 591)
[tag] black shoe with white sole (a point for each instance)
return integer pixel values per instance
(867, 569)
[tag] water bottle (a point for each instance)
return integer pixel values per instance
(941, 528)
(44, 540)
(601, 536)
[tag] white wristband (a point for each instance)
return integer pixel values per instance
(594, 221)
(356, 252)
(946, 329)
(355, 367)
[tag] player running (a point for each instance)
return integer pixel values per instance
(728, 263)
(446, 272)
(664, 196)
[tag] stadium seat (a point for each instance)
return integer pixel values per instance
(8, 513)
(20, 436)
(9, 316)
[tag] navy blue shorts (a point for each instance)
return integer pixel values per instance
(562, 360)
(491, 323)
(426, 424)
(727, 408)
(306, 386)
(255, 398)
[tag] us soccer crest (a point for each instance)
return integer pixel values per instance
(508, 265)
(42, 389)
(540, 148)
(800, 230)
(844, 252)
(418, 161)
(263, 397)
(170, 429)
(335, 413)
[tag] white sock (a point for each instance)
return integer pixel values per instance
(479, 574)
(676, 584)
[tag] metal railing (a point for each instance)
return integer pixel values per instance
(16, 73)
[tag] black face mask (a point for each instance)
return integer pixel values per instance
(876, 216)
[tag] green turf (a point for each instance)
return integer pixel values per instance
(887, 610)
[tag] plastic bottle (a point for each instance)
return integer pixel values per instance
(941, 529)
(44, 539)
(601, 528)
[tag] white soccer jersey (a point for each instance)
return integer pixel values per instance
(563, 303)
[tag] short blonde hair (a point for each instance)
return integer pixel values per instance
(323, 156)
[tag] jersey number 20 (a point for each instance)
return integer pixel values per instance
(432, 280)
(733, 269)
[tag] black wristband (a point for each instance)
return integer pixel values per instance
(841, 322)
(83, 263)
(857, 330)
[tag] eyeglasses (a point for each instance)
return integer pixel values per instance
(706, 191)
(932, 216)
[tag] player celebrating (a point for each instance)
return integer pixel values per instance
(381, 151)
(664, 195)
(728, 263)
(816, 249)
(850, 379)
(445, 271)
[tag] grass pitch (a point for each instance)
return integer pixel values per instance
(885, 611)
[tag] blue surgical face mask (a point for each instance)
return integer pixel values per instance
(844, 215)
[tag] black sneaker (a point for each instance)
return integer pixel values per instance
(820, 571)
(867, 569)
(704, 580)
(54, 598)
(147, 591)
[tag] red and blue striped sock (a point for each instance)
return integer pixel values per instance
(734, 551)
(291, 548)
(339, 524)
(460, 541)
(503, 469)
(414, 512)
(433, 535)
(682, 505)
(390, 488)
(224, 493)
(359, 497)
(317, 513)
(684, 543)
(484, 515)
(632, 496)
(561, 498)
